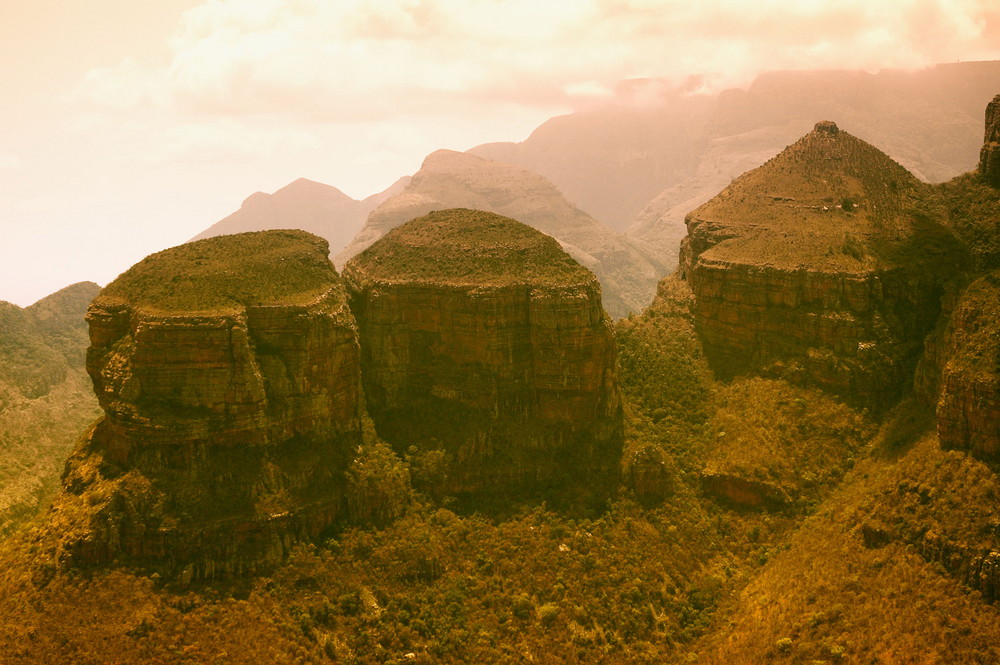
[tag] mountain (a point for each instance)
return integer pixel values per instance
(658, 151)
(449, 179)
(826, 265)
(45, 397)
(310, 206)
(612, 161)
(808, 444)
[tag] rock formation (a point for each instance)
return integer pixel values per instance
(989, 156)
(228, 372)
(823, 266)
(657, 150)
(484, 342)
(968, 403)
(450, 179)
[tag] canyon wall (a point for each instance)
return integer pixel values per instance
(232, 405)
(486, 343)
(989, 156)
(823, 267)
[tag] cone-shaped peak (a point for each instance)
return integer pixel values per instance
(827, 186)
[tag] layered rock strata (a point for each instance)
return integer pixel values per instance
(821, 266)
(989, 156)
(228, 372)
(486, 343)
(968, 395)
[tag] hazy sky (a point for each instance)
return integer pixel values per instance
(128, 126)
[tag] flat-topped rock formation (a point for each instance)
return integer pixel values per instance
(824, 265)
(483, 340)
(228, 373)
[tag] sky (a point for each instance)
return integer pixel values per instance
(128, 127)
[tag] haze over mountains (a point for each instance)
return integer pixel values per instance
(317, 208)
(640, 164)
(444, 450)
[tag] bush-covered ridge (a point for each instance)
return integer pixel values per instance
(469, 247)
(228, 273)
(829, 200)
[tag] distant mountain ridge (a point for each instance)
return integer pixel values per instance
(641, 167)
(306, 205)
(45, 397)
(449, 179)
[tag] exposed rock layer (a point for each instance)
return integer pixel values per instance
(508, 368)
(968, 403)
(989, 156)
(821, 267)
(229, 416)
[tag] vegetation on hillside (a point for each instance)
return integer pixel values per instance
(469, 247)
(877, 551)
(830, 200)
(46, 400)
(228, 273)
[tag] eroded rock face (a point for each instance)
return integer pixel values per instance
(483, 340)
(989, 156)
(968, 404)
(232, 404)
(821, 267)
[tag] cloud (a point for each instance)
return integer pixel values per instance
(9, 162)
(357, 60)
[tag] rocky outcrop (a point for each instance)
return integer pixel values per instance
(228, 373)
(486, 343)
(989, 156)
(744, 492)
(823, 266)
(449, 179)
(968, 396)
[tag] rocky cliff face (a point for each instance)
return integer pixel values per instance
(823, 266)
(228, 372)
(968, 390)
(450, 179)
(485, 344)
(989, 156)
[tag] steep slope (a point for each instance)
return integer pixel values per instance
(825, 265)
(612, 161)
(310, 206)
(228, 373)
(959, 373)
(45, 397)
(484, 342)
(658, 151)
(989, 155)
(901, 564)
(450, 179)
(968, 405)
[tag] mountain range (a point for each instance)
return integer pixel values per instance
(450, 451)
